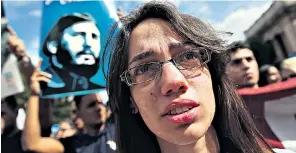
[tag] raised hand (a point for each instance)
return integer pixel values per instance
(16, 45)
(37, 77)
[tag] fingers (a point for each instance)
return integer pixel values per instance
(38, 72)
(17, 46)
(39, 63)
(11, 31)
(41, 73)
(19, 50)
(41, 76)
(45, 74)
(43, 79)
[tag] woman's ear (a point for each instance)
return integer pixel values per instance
(133, 106)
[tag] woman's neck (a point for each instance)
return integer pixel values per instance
(206, 144)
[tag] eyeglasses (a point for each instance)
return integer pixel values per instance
(188, 62)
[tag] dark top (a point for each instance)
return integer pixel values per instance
(12, 144)
(82, 143)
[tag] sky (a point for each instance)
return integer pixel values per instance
(231, 16)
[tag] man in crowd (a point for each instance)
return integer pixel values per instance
(73, 49)
(10, 134)
(90, 108)
(243, 68)
(66, 128)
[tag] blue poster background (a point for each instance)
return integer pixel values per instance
(104, 12)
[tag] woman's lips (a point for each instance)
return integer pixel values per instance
(181, 111)
(184, 117)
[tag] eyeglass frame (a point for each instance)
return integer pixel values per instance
(123, 76)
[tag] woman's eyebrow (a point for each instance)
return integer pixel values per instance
(150, 53)
(142, 56)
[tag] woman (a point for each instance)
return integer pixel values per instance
(169, 91)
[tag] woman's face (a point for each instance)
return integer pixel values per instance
(175, 108)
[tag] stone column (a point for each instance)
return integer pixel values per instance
(278, 51)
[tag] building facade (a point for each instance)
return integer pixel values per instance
(277, 26)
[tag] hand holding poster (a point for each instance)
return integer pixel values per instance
(72, 40)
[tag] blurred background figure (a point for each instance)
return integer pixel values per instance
(9, 112)
(66, 129)
(78, 122)
(288, 68)
(11, 44)
(269, 74)
(2, 125)
(10, 134)
(92, 111)
(243, 67)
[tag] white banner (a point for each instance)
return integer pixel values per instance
(11, 80)
(280, 115)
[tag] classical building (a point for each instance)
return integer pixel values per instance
(277, 26)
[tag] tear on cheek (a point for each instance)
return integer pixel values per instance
(153, 97)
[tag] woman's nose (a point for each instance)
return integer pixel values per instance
(172, 80)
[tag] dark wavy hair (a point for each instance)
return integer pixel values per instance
(232, 122)
(234, 46)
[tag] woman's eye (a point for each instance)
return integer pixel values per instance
(141, 69)
(146, 69)
(189, 56)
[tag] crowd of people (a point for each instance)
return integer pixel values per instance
(245, 72)
(171, 89)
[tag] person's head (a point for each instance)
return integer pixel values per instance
(288, 68)
(269, 74)
(243, 68)
(66, 129)
(192, 82)
(9, 112)
(74, 41)
(91, 109)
